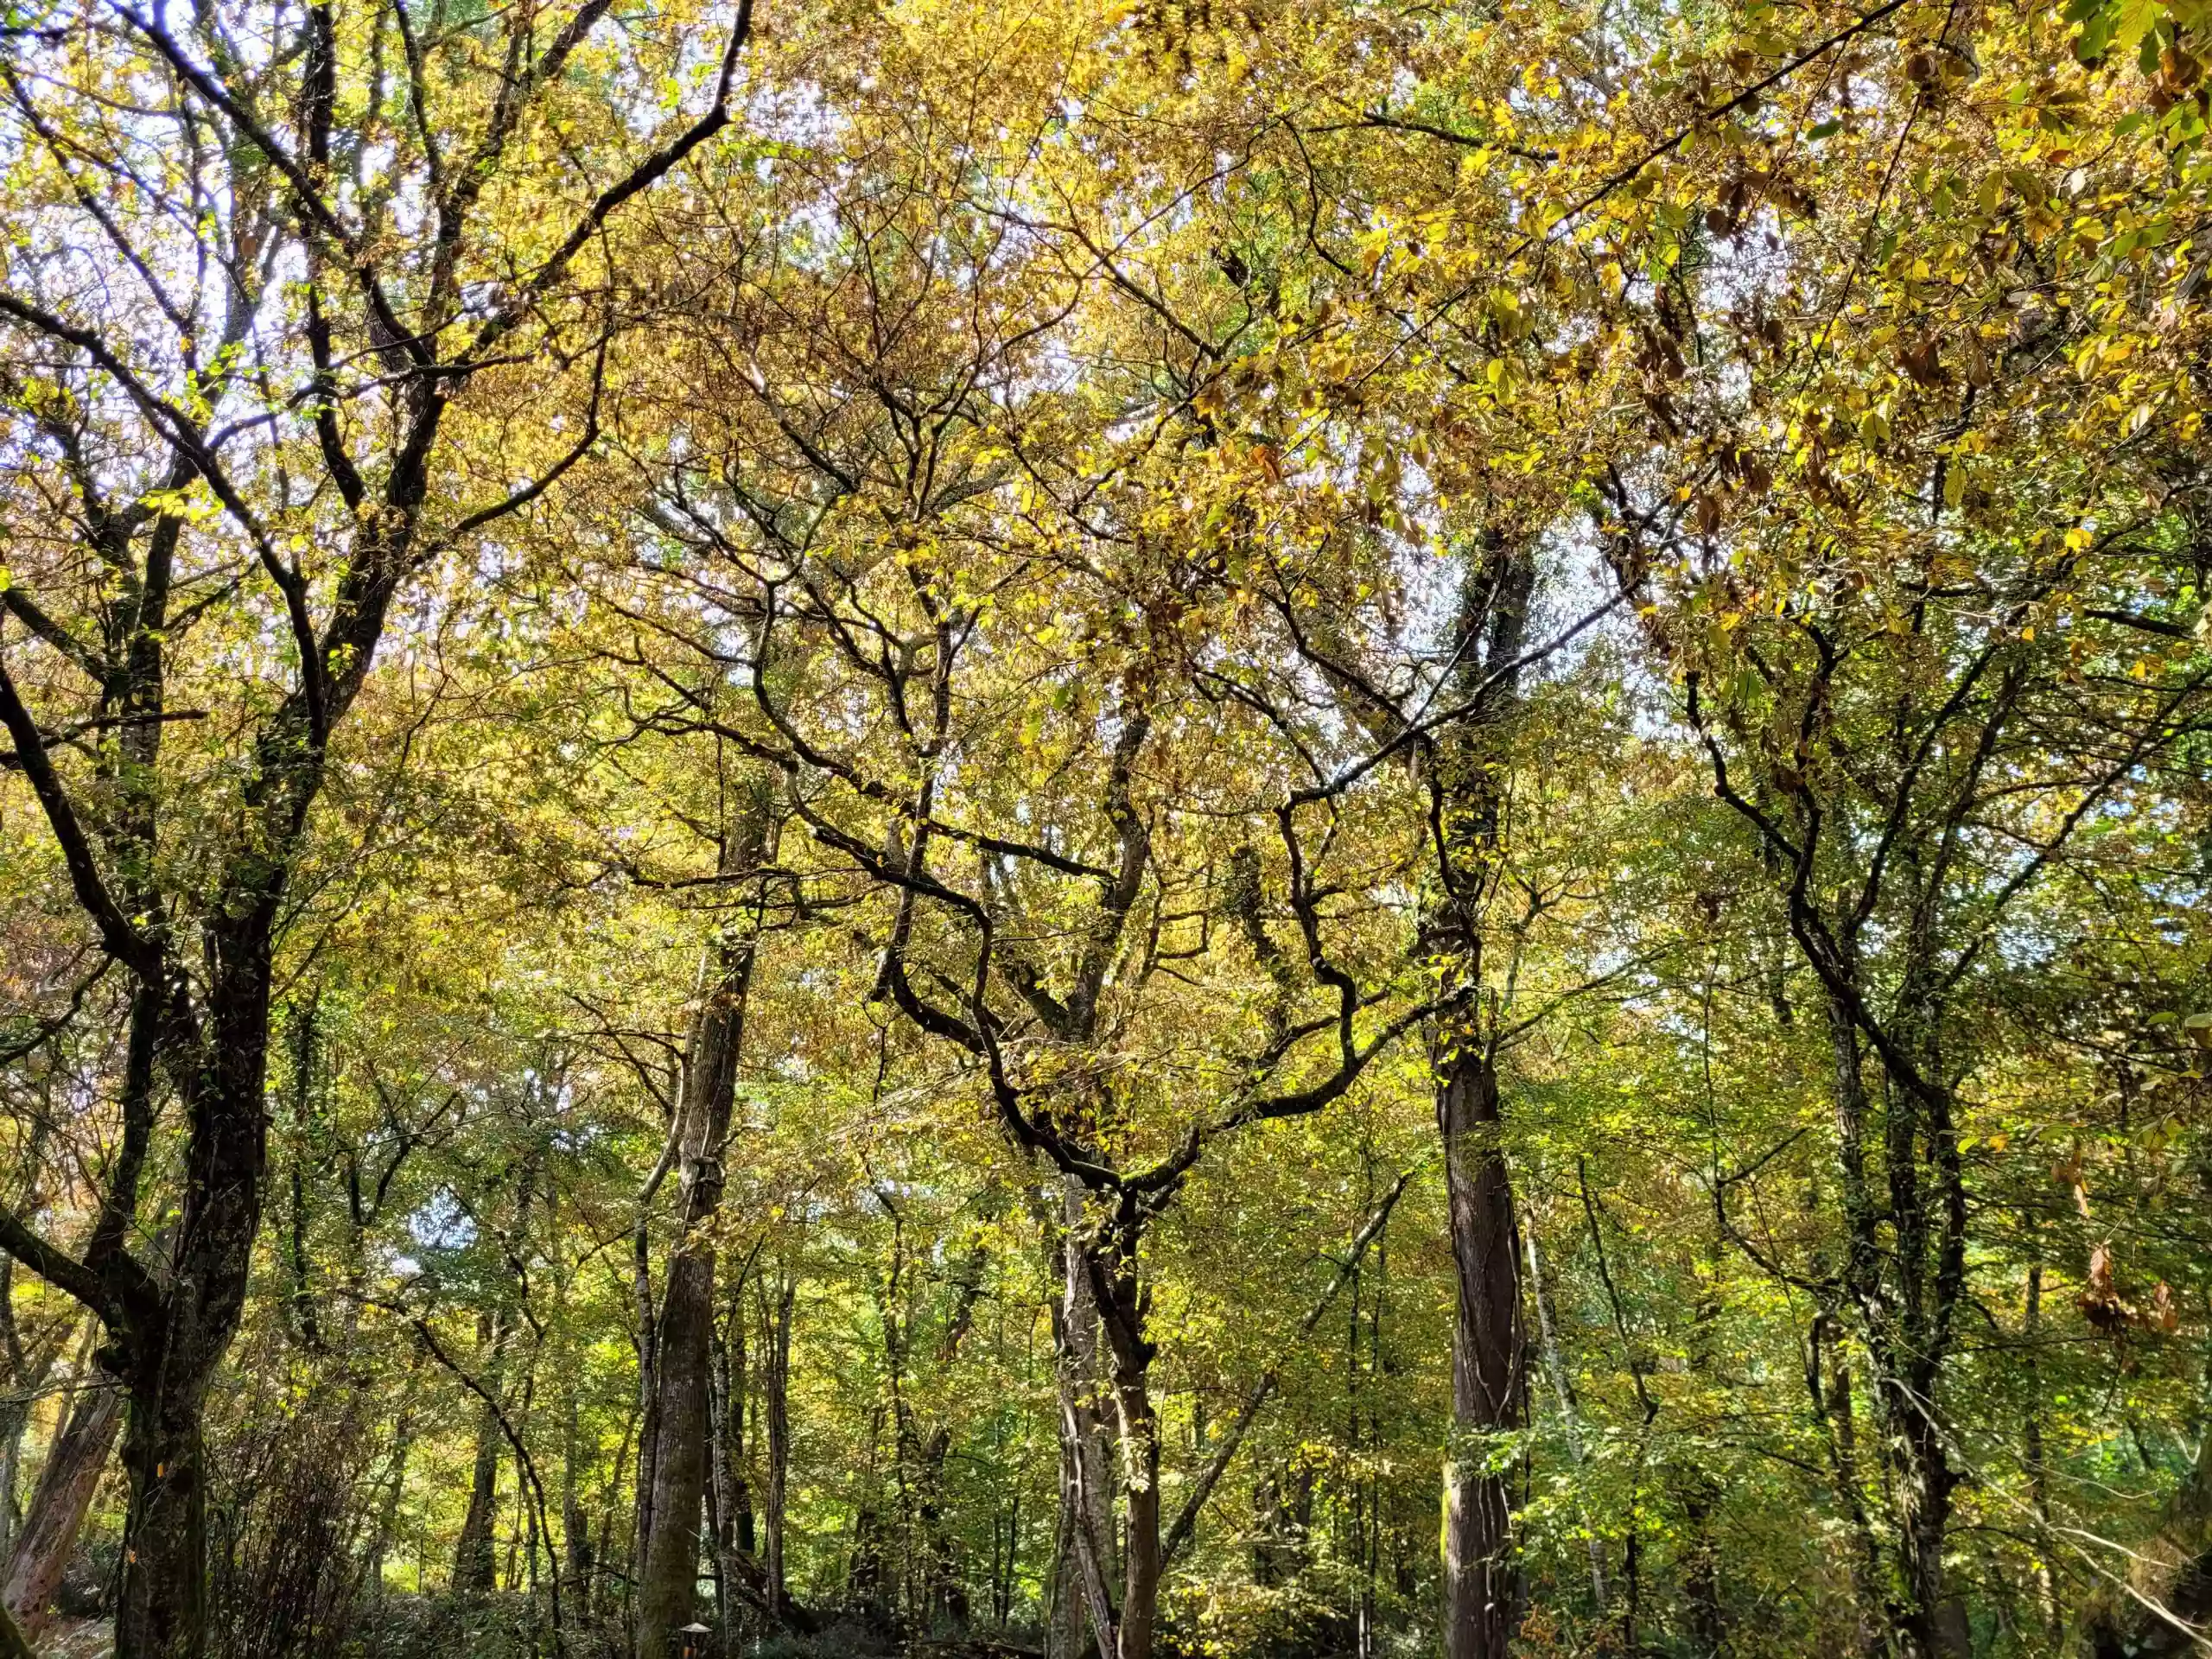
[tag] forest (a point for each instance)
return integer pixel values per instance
(1105, 829)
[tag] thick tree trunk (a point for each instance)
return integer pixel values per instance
(1140, 1564)
(668, 1568)
(1106, 1357)
(677, 1414)
(58, 1504)
(1489, 1348)
(1936, 1626)
(1906, 1318)
(173, 1323)
(162, 1611)
(1067, 1630)
(475, 1564)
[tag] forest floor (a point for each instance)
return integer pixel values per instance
(78, 1638)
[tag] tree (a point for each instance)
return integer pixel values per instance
(280, 312)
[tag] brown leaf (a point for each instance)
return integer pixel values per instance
(1924, 365)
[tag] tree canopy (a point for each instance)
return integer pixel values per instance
(1101, 830)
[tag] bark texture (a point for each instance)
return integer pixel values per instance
(1489, 1381)
(675, 1451)
(1482, 1582)
(64, 1494)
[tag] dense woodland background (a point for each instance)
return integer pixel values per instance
(1304, 827)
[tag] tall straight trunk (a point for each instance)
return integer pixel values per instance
(1106, 1364)
(732, 1460)
(1489, 1347)
(1067, 1626)
(725, 1492)
(174, 1320)
(775, 1384)
(1086, 1466)
(673, 1502)
(1139, 1428)
(58, 1504)
(1906, 1323)
(2053, 1611)
(475, 1564)
(162, 1608)
(740, 1577)
(576, 1530)
(675, 1455)
(1467, 782)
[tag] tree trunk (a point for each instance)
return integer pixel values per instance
(164, 1591)
(170, 1340)
(776, 1397)
(475, 1565)
(2053, 1611)
(1489, 1396)
(1086, 1469)
(28, 1368)
(729, 1496)
(576, 1530)
(1906, 1324)
(671, 1500)
(1067, 1612)
(1489, 1347)
(64, 1495)
(733, 1398)
(1140, 1565)
(667, 1569)
(1101, 1329)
